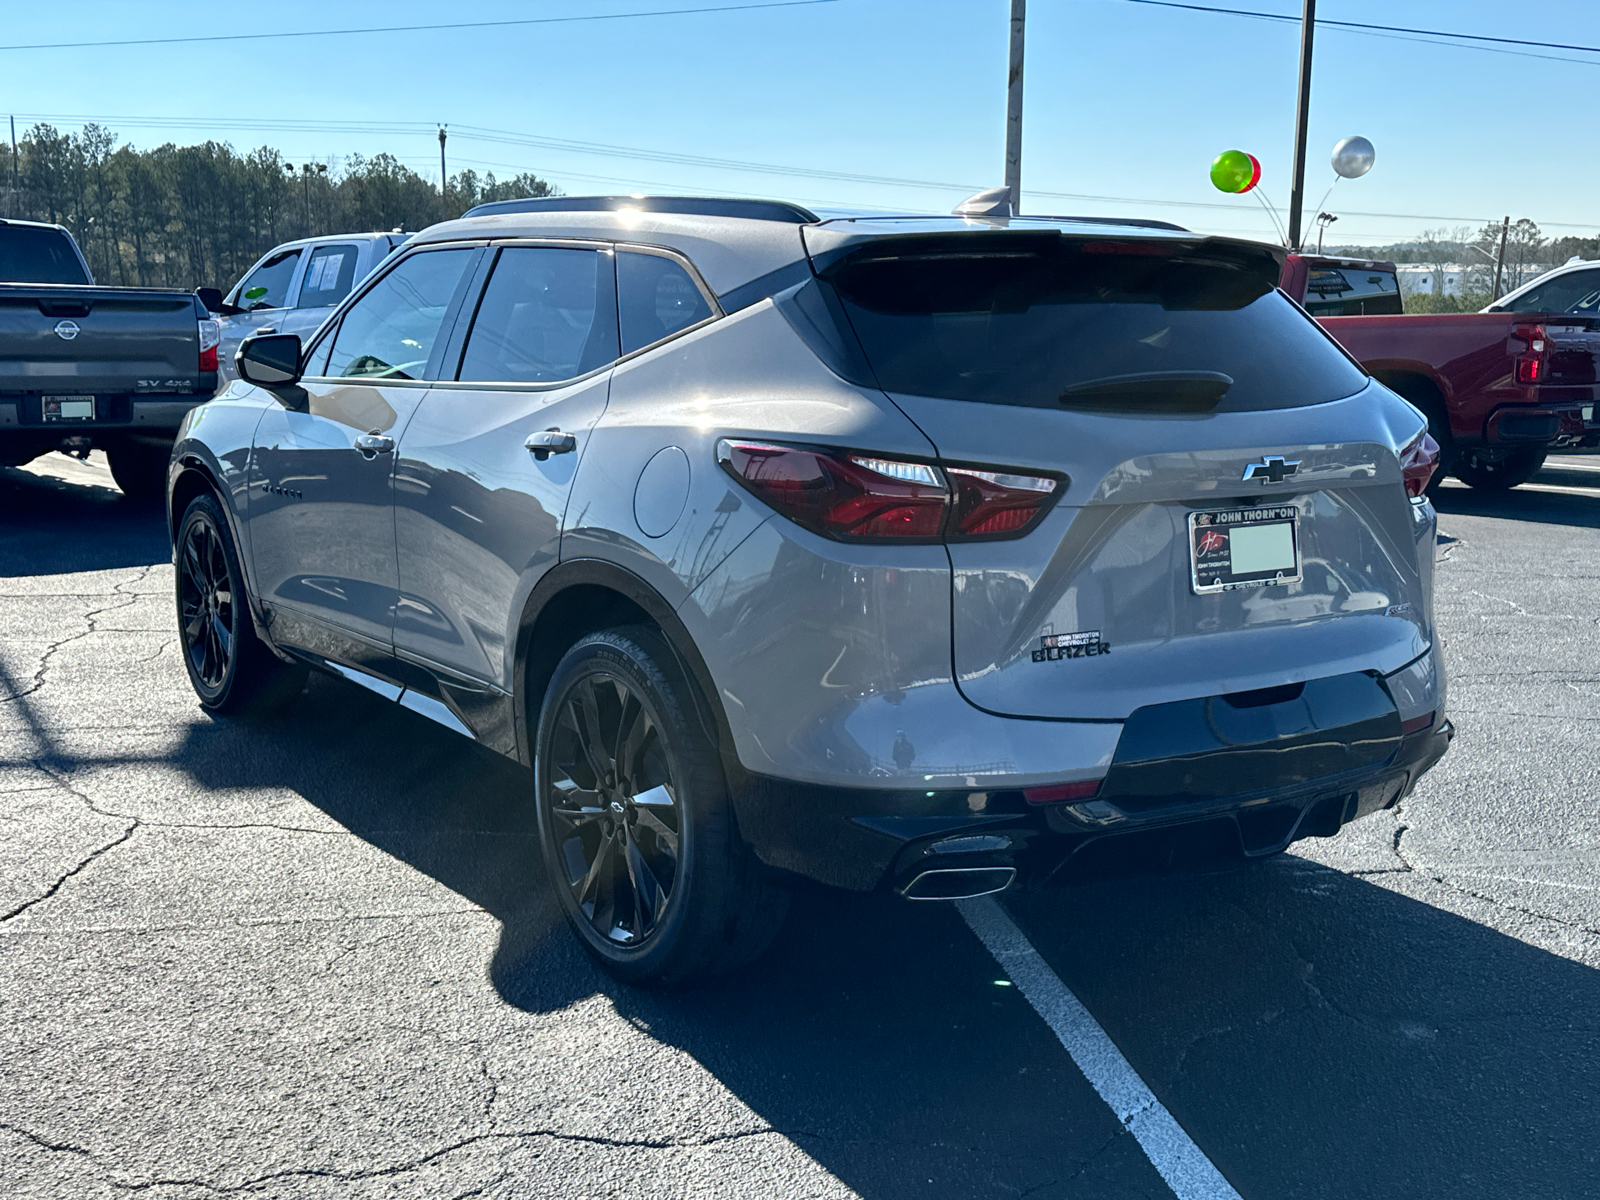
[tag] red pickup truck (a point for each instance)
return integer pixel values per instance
(1500, 389)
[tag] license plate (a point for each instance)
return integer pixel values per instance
(1244, 547)
(68, 408)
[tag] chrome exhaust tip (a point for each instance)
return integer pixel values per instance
(958, 883)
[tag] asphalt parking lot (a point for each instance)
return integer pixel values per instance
(313, 957)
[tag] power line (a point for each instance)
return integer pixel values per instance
(703, 162)
(1500, 45)
(452, 25)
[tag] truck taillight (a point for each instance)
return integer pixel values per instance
(210, 339)
(1533, 363)
(1418, 462)
(867, 497)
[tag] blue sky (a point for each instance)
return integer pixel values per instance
(1125, 103)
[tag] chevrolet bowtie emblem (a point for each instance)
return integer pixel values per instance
(1271, 469)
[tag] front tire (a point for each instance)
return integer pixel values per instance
(230, 668)
(635, 820)
(1496, 469)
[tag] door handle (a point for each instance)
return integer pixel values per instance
(373, 444)
(264, 330)
(550, 441)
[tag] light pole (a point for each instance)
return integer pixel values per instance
(1302, 115)
(306, 171)
(1013, 107)
(444, 176)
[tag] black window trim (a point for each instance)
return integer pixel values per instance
(330, 327)
(717, 312)
(456, 347)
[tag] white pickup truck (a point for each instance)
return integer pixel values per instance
(293, 287)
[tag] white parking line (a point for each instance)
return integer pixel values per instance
(1188, 1172)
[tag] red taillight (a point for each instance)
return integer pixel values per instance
(1055, 793)
(210, 338)
(1532, 364)
(862, 497)
(1418, 462)
(991, 502)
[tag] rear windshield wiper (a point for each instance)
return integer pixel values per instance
(1150, 391)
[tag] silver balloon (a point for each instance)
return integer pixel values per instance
(1353, 157)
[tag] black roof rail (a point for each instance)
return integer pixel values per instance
(696, 206)
(1136, 222)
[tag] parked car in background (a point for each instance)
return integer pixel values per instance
(1501, 388)
(294, 287)
(1572, 288)
(84, 367)
(915, 553)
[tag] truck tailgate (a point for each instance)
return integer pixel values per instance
(61, 338)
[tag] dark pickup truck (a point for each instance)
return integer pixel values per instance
(1500, 389)
(85, 367)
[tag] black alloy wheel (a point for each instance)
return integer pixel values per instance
(207, 615)
(617, 822)
(637, 826)
(230, 668)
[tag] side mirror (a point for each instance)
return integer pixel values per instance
(270, 360)
(210, 297)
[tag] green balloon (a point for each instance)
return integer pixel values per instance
(1233, 171)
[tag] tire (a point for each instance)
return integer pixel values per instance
(140, 470)
(637, 828)
(230, 668)
(1496, 469)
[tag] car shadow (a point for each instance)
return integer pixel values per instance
(1318, 1035)
(57, 523)
(1525, 504)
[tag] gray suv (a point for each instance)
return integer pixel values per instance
(935, 554)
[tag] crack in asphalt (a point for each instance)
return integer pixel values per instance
(43, 668)
(57, 885)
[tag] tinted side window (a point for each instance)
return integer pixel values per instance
(389, 333)
(548, 314)
(29, 255)
(268, 285)
(330, 274)
(1577, 292)
(656, 298)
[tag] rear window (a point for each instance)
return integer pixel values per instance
(29, 255)
(1049, 322)
(1352, 292)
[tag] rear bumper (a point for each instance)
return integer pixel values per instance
(1549, 422)
(922, 841)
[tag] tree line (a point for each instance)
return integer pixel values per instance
(191, 216)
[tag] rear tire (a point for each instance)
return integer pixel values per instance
(231, 669)
(140, 470)
(1496, 469)
(637, 828)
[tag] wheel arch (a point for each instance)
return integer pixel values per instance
(1421, 388)
(583, 596)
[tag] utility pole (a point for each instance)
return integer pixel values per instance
(1308, 26)
(1500, 259)
(444, 176)
(1014, 108)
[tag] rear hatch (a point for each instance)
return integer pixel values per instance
(64, 339)
(1212, 437)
